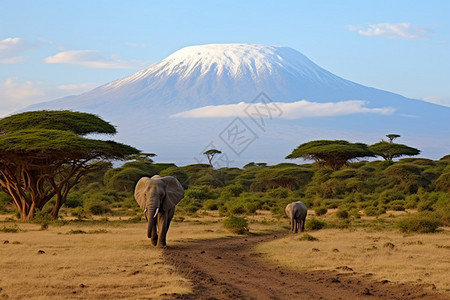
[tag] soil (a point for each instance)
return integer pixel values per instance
(228, 269)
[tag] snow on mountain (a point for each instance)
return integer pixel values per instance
(220, 77)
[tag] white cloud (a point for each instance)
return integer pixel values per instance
(11, 47)
(295, 110)
(16, 94)
(137, 45)
(13, 60)
(92, 59)
(404, 31)
(445, 101)
(78, 87)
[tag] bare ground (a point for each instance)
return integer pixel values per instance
(228, 269)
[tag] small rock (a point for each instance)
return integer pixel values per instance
(344, 268)
(335, 250)
(389, 245)
(367, 292)
(6, 242)
(74, 292)
(384, 281)
(82, 285)
(202, 252)
(315, 250)
(41, 251)
(135, 272)
(218, 257)
(335, 280)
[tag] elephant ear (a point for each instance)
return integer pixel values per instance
(174, 192)
(140, 191)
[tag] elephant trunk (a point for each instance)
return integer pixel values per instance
(151, 221)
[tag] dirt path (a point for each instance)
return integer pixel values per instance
(227, 269)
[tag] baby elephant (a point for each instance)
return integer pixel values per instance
(296, 212)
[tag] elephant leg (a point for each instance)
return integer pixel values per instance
(292, 225)
(165, 227)
(303, 225)
(296, 225)
(154, 236)
(162, 229)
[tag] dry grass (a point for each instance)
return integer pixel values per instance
(118, 263)
(95, 260)
(417, 258)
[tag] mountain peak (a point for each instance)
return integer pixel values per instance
(215, 81)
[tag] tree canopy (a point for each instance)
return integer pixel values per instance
(389, 150)
(43, 154)
(331, 153)
(210, 155)
(392, 137)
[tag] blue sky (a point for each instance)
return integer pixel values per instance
(50, 49)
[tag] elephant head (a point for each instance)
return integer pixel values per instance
(158, 196)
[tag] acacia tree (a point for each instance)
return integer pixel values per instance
(43, 154)
(333, 154)
(392, 137)
(210, 155)
(389, 150)
(286, 177)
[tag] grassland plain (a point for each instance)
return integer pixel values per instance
(113, 258)
(98, 259)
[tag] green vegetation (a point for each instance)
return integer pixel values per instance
(341, 192)
(389, 151)
(314, 224)
(333, 154)
(43, 154)
(307, 237)
(423, 223)
(236, 225)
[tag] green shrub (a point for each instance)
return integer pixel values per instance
(307, 237)
(10, 229)
(419, 223)
(397, 205)
(236, 225)
(78, 212)
(278, 193)
(211, 204)
(342, 214)
(74, 200)
(314, 224)
(320, 211)
(96, 207)
(372, 211)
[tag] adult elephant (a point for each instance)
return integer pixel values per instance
(296, 212)
(157, 196)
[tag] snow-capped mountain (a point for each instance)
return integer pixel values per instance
(180, 103)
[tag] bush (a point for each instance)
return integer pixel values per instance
(320, 211)
(74, 200)
(342, 214)
(278, 193)
(372, 211)
(314, 224)
(211, 204)
(397, 205)
(419, 223)
(236, 224)
(307, 237)
(79, 213)
(96, 207)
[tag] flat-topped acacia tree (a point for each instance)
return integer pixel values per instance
(389, 150)
(333, 154)
(43, 154)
